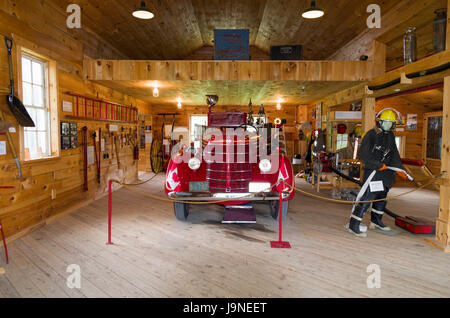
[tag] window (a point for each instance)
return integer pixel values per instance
(195, 127)
(434, 137)
(400, 142)
(40, 101)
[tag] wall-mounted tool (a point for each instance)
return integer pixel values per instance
(99, 168)
(97, 155)
(114, 136)
(11, 146)
(15, 105)
(85, 146)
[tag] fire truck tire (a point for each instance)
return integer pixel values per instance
(275, 207)
(181, 210)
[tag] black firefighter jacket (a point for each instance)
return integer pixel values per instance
(378, 148)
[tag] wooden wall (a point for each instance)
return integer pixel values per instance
(288, 112)
(54, 186)
(207, 53)
(413, 138)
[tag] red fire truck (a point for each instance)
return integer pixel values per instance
(224, 167)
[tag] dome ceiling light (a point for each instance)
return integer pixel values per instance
(313, 12)
(143, 12)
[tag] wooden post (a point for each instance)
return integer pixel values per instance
(447, 40)
(368, 113)
(442, 240)
(378, 57)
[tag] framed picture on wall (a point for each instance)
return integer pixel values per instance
(65, 142)
(65, 128)
(73, 129)
(411, 122)
(74, 142)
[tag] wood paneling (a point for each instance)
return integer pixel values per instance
(207, 53)
(181, 27)
(134, 70)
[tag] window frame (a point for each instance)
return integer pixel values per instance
(191, 133)
(45, 97)
(426, 117)
(50, 96)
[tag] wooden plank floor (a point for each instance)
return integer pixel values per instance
(157, 256)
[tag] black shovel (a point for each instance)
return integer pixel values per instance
(15, 105)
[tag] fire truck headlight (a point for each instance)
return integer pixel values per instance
(265, 165)
(194, 163)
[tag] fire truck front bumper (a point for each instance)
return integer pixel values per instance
(211, 197)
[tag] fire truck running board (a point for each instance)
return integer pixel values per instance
(239, 214)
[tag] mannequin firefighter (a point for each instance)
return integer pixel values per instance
(378, 151)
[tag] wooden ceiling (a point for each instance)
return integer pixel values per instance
(229, 92)
(431, 100)
(181, 27)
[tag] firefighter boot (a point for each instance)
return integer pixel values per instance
(375, 221)
(355, 221)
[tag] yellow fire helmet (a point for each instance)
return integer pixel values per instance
(357, 131)
(388, 114)
(387, 119)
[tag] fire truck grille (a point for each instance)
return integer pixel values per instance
(229, 173)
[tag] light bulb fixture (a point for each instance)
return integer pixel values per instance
(155, 92)
(179, 105)
(278, 106)
(313, 12)
(143, 12)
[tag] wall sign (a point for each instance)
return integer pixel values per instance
(411, 122)
(67, 107)
(232, 44)
(90, 155)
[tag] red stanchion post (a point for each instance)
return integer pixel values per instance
(280, 243)
(4, 243)
(109, 211)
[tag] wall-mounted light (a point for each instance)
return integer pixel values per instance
(155, 92)
(179, 105)
(313, 12)
(278, 106)
(143, 12)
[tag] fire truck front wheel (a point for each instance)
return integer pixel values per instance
(181, 210)
(275, 207)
